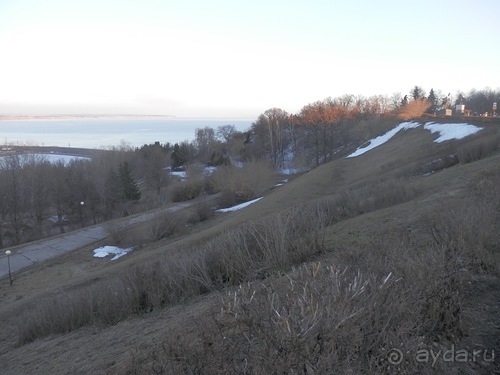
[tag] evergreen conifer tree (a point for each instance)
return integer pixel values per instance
(432, 98)
(129, 188)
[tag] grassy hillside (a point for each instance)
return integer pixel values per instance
(341, 270)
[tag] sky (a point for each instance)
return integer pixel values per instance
(236, 59)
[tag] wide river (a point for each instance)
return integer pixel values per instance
(106, 132)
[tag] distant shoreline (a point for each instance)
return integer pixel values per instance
(76, 117)
(108, 131)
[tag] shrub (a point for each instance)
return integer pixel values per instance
(320, 319)
(465, 233)
(124, 236)
(165, 224)
(186, 190)
(479, 148)
(414, 109)
(201, 212)
(99, 303)
(242, 184)
(369, 198)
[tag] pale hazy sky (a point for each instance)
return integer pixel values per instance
(232, 58)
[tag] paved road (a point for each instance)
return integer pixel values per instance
(29, 254)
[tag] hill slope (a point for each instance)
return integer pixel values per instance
(417, 252)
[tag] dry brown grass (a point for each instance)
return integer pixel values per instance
(349, 312)
(482, 146)
(248, 252)
(384, 274)
(245, 253)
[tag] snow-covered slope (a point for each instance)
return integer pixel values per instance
(446, 132)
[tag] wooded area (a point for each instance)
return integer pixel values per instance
(39, 198)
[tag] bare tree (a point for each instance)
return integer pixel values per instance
(225, 133)
(272, 130)
(205, 141)
(396, 100)
(154, 159)
(37, 184)
(3, 199)
(59, 192)
(325, 121)
(14, 193)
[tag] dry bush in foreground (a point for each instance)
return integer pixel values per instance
(324, 319)
(319, 319)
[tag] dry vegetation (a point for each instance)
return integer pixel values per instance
(414, 109)
(345, 313)
(333, 285)
(239, 185)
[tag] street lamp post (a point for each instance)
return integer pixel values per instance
(82, 203)
(8, 252)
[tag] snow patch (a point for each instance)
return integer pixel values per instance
(281, 183)
(290, 171)
(451, 131)
(183, 175)
(239, 206)
(380, 140)
(65, 159)
(55, 219)
(105, 251)
(446, 132)
(209, 170)
(179, 174)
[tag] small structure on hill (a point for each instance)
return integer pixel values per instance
(445, 112)
(460, 109)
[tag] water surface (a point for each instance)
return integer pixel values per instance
(103, 133)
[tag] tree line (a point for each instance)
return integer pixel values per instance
(35, 192)
(123, 179)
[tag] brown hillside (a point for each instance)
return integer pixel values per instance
(410, 238)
